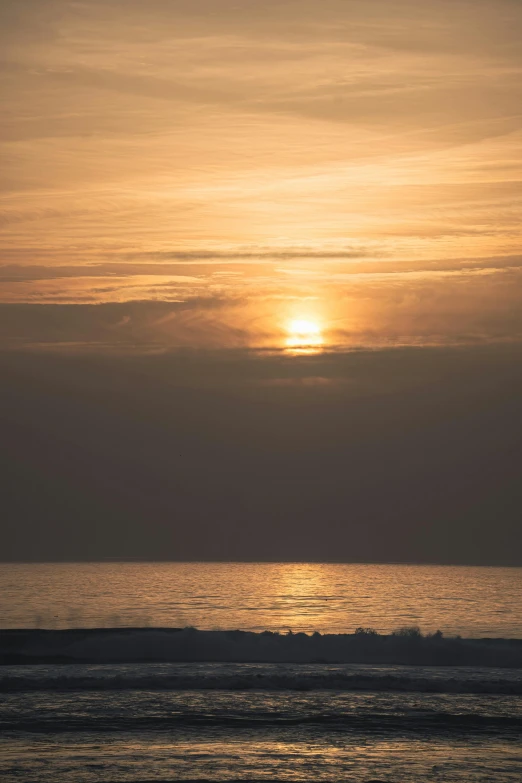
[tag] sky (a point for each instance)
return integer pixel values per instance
(261, 279)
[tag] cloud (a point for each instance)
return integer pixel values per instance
(466, 302)
(364, 157)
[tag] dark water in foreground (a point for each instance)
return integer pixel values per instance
(221, 721)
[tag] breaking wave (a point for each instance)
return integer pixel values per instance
(118, 645)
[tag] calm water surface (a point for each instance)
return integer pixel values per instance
(471, 601)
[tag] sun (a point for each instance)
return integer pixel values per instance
(302, 328)
(304, 336)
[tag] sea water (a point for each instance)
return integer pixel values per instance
(235, 720)
(332, 598)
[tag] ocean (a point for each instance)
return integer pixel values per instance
(264, 672)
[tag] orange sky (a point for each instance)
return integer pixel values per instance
(356, 165)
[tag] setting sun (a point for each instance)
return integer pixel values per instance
(305, 329)
(304, 335)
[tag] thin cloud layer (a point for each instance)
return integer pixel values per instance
(365, 158)
(369, 309)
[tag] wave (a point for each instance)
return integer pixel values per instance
(128, 645)
(434, 723)
(265, 680)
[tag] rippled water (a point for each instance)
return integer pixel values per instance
(225, 721)
(471, 601)
(134, 732)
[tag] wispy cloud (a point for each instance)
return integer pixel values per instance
(366, 157)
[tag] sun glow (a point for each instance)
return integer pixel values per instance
(304, 336)
(306, 329)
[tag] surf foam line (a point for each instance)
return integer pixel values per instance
(158, 645)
